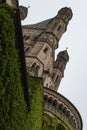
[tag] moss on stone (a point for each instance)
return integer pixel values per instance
(12, 103)
(53, 123)
(36, 104)
(13, 113)
(50, 123)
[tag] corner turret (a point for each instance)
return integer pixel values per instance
(23, 12)
(65, 14)
(58, 25)
(53, 80)
(59, 67)
(61, 61)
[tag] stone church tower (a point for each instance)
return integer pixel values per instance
(40, 42)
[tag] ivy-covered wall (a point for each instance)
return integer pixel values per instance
(0, 1)
(49, 123)
(53, 123)
(36, 105)
(13, 112)
(12, 103)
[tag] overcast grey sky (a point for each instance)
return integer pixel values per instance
(74, 83)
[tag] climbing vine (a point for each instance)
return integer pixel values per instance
(50, 123)
(12, 103)
(36, 104)
(0, 1)
(13, 113)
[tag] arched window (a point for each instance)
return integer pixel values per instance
(55, 103)
(50, 100)
(61, 107)
(45, 97)
(56, 78)
(37, 67)
(47, 85)
(34, 65)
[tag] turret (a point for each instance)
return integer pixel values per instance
(59, 67)
(58, 24)
(23, 12)
(65, 14)
(61, 61)
(54, 28)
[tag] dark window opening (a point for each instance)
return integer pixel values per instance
(26, 49)
(55, 103)
(50, 100)
(46, 50)
(26, 37)
(61, 106)
(37, 67)
(53, 75)
(46, 85)
(34, 65)
(59, 28)
(45, 97)
(56, 78)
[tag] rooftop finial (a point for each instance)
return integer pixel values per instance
(28, 7)
(66, 48)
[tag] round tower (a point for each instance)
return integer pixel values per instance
(59, 67)
(61, 61)
(58, 25)
(23, 12)
(53, 80)
(65, 14)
